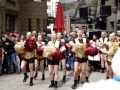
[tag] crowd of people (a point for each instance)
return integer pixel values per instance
(73, 51)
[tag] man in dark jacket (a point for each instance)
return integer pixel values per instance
(10, 54)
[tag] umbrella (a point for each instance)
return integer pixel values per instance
(59, 20)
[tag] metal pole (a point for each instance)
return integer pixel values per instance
(115, 22)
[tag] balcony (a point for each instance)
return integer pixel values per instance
(11, 2)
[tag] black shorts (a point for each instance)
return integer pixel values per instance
(40, 58)
(81, 60)
(53, 62)
(109, 63)
(29, 61)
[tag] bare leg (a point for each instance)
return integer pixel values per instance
(23, 66)
(63, 62)
(87, 71)
(110, 72)
(42, 69)
(23, 70)
(83, 68)
(56, 75)
(76, 71)
(36, 68)
(31, 67)
(102, 63)
(51, 73)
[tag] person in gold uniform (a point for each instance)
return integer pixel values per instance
(63, 60)
(39, 61)
(80, 62)
(28, 56)
(53, 63)
(112, 47)
(102, 43)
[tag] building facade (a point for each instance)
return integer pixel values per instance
(34, 15)
(52, 7)
(108, 23)
(113, 21)
(51, 12)
(23, 15)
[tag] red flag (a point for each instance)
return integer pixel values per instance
(59, 20)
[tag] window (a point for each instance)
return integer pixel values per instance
(38, 24)
(29, 24)
(11, 2)
(44, 24)
(10, 23)
(102, 2)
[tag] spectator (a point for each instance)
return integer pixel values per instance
(65, 36)
(10, 55)
(13, 53)
(1, 56)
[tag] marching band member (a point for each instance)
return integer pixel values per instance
(80, 58)
(53, 63)
(40, 59)
(112, 47)
(87, 68)
(102, 43)
(63, 60)
(28, 57)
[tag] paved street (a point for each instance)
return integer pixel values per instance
(14, 82)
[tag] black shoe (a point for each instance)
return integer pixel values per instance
(74, 86)
(0, 73)
(55, 85)
(87, 79)
(35, 75)
(43, 77)
(78, 81)
(52, 84)
(107, 77)
(64, 79)
(82, 82)
(25, 77)
(102, 70)
(31, 82)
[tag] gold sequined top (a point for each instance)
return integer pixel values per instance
(28, 54)
(112, 48)
(79, 47)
